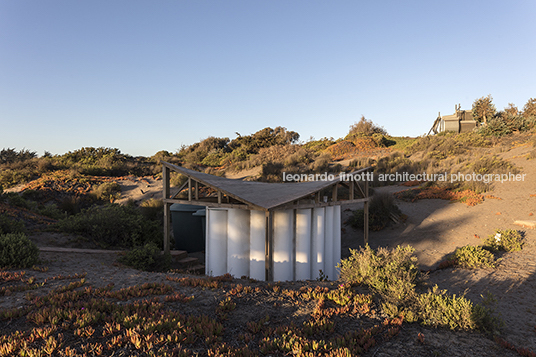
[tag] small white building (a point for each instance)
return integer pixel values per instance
(268, 231)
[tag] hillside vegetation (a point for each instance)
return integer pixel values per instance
(62, 188)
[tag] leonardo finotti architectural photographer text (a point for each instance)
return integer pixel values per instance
(405, 176)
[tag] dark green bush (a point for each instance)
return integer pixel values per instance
(495, 127)
(147, 257)
(152, 209)
(51, 210)
(16, 250)
(113, 225)
(14, 199)
(10, 225)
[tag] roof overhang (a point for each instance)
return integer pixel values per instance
(233, 193)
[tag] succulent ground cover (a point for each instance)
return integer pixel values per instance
(76, 319)
(172, 314)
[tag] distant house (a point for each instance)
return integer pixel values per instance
(459, 122)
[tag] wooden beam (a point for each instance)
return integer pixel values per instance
(352, 191)
(167, 211)
(214, 204)
(360, 189)
(319, 204)
(196, 190)
(181, 188)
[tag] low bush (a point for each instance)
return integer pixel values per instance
(319, 145)
(437, 308)
(473, 257)
(152, 209)
(147, 257)
(10, 225)
(113, 225)
(508, 240)
(107, 191)
(17, 251)
(392, 273)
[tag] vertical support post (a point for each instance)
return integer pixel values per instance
(189, 189)
(269, 247)
(334, 193)
(196, 190)
(167, 212)
(352, 189)
(366, 212)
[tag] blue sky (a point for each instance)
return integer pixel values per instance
(145, 76)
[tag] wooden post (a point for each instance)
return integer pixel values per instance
(269, 247)
(167, 212)
(189, 189)
(196, 190)
(366, 212)
(334, 193)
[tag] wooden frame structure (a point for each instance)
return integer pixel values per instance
(267, 197)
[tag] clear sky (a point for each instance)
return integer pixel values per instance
(145, 76)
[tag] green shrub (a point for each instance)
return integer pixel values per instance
(437, 308)
(16, 250)
(14, 199)
(491, 165)
(319, 145)
(496, 127)
(392, 273)
(176, 179)
(107, 191)
(147, 257)
(508, 240)
(152, 209)
(113, 225)
(364, 127)
(51, 210)
(10, 225)
(473, 257)
(215, 158)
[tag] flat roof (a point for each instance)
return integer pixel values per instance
(263, 195)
